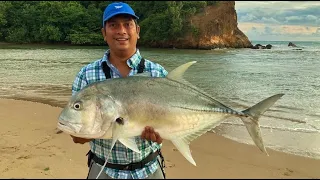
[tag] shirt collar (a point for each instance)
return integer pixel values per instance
(132, 62)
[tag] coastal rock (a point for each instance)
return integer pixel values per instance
(216, 27)
(268, 46)
(292, 45)
(259, 46)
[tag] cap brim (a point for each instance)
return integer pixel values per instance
(109, 17)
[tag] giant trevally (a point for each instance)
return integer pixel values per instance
(120, 108)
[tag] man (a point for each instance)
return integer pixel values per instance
(121, 32)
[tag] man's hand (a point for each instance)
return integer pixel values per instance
(80, 140)
(150, 135)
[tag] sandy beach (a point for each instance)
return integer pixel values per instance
(31, 148)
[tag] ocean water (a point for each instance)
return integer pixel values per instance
(238, 78)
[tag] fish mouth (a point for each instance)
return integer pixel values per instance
(67, 127)
(74, 130)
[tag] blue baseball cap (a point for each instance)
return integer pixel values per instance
(115, 9)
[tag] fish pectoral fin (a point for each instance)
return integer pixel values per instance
(117, 131)
(130, 143)
(183, 146)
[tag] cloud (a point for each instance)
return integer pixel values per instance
(305, 20)
(282, 12)
(258, 31)
(317, 33)
(311, 17)
(279, 19)
(248, 18)
(254, 31)
(294, 18)
(268, 30)
(269, 20)
(310, 10)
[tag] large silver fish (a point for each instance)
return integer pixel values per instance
(120, 108)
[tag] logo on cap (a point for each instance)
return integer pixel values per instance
(118, 7)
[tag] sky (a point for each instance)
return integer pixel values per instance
(279, 20)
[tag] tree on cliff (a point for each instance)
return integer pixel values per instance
(79, 22)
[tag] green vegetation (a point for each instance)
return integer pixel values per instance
(80, 22)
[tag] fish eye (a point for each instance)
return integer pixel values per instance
(77, 106)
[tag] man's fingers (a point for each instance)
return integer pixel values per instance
(147, 134)
(153, 137)
(74, 140)
(152, 134)
(159, 139)
(77, 140)
(143, 134)
(80, 140)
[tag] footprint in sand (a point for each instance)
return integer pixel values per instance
(169, 164)
(24, 157)
(288, 172)
(9, 149)
(6, 169)
(51, 155)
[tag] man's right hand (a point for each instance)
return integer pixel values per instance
(80, 140)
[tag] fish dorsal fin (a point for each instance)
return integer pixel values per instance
(177, 73)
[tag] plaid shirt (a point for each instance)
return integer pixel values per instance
(120, 154)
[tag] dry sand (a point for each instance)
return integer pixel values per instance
(30, 148)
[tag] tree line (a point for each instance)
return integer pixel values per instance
(80, 22)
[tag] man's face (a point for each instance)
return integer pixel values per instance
(121, 33)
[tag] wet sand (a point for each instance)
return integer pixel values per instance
(31, 148)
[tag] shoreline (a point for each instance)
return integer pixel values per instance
(30, 143)
(102, 46)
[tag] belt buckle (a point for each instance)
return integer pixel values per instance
(127, 167)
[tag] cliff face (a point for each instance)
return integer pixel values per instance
(215, 27)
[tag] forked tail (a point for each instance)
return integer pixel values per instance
(252, 120)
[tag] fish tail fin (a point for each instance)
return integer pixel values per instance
(251, 120)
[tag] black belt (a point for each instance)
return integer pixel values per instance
(131, 166)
